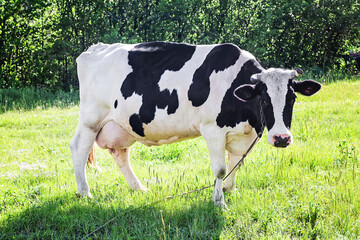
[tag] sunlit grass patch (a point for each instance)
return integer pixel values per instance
(308, 190)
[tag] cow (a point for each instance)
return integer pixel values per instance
(162, 92)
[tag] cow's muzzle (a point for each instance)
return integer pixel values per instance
(282, 140)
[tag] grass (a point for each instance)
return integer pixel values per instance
(309, 190)
(30, 98)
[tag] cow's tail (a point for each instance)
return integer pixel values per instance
(92, 159)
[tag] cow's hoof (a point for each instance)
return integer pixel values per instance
(88, 195)
(137, 186)
(141, 188)
(218, 199)
(221, 204)
(228, 189)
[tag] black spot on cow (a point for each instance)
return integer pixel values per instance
(168, 99)
(218, 59)
(289, 104)
(221, 173)
(267, 108)
(149, 61)
(233, 111)
(115, 103)
(136, 124)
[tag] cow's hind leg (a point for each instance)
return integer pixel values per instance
(80, 147)
(121, 157)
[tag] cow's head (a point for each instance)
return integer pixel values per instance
(275, 88)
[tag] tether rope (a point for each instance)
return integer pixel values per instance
(262, 119)
(179, 195)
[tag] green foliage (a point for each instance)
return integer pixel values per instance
(25, 28)
(40, 40)
(308, 33)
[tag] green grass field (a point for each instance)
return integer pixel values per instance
(309, 190)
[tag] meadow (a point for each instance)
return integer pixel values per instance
(310, 190)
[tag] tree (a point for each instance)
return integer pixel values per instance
(22, 30)
(308, 33)
(40, 40)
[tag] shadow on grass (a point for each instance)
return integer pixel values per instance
(60, 218)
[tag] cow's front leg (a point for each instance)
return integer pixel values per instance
(215, 141)
(236, 150)
(80, 148)
(230, 180)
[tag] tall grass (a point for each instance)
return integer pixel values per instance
(310, 190)
(30, 98)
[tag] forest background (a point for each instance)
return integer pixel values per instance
(40, 40)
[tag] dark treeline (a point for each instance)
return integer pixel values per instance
(40, 40)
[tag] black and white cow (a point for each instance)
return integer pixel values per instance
(159, 93)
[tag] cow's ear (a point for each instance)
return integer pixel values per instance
(245, 92)
(307, 87)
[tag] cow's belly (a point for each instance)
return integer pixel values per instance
(166, 129)
(114, 136)
(162, 135)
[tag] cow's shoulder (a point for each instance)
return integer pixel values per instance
(233, 111)
(219, 58)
